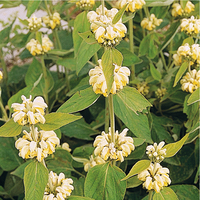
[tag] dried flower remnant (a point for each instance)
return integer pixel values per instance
(98, 81)
(108, 150)
(106, 33)
(151, 23)
(52, 21)
(160, 92)
(155, 177)
(58, 187)
(29, 112)
(37, 144)
(85, 4)
(34, 23)
(191, 81)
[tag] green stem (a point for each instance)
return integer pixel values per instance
(45, 80)
(96, 58)
(48, 11)
(5, 116)
(77, 172)
(57, 39)
(150, 194)
(131, 45)
(32, 127)
(141, 18)
(103, 5)
(112, 117)
(106, 115)
(163, 60)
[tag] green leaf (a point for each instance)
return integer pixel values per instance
(127, 18)
(23, 21)
(188, 40)
(10, 4)
(60, 52)
(138, 141)
(165, 194)
(9, 158)
(117, 57)
(88, 37)
(32, 6)
(180, 72)
(79, 198)
(79, 101)
(155, 73)
(35, 180)
(10, 129)
(38, 37)
(152, 3)
(108, 68)
(137, 168)
(119, 14)
(133, 182)
(57, 120)
(69, 63)
(173, 148)
(194, 97)
(103, 183)
(4, 34)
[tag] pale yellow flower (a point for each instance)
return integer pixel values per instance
(189, 7)
(177, 10)
(94, 160)
(160, 92)
(155, 152)
(58, 187)
(195, 53)
(133, 5)
(85, 4)
(151, 22)
(29, 112)
(177, 60)
(106, 33)
(34, 23)
(46, 44)
(143, 88)
(1, 75)
(37, 144)
(191, 81)
(107, 149)
(65, 146)
(98, 81)
(190, 26)
(155, 177)
(52, 21)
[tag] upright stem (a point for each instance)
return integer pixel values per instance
(163, 60)
(48, 11)
(5, 116)
(103, 5)
(150, 194)
(107, 118)
(112, 117)
(32, 127)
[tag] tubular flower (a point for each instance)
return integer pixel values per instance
(98, 81)
(1, 75)
(36, 48)
(34, 23)
(93, 162)
(58, 187)
(155, 177)
(52, 21)
(106, 33)
(29, 112)
(177, 10)
(65, 146)
(107, 149)
(143, 88)
(155, 152)
(133, 5)
(160, 92)
(190, 26)
(191, 81)
(151, 22)
(85, 4)
(37, 144)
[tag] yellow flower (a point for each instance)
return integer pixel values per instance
(65, 146)
(160, 92)
(133, 5)
(155, 152)
(52, 21)
(46, 44)
(177, 10)
(106, 33)
(189, 7)
(98, 81)
(34, 23)
(190, 26)
(29, 112)
(143, 88)
(37, 144)
(85, 4)
(151, 22)
(58, 187)
(107, 149)
(1, 75)
(195, 53)
(155, 177)
(191, 81)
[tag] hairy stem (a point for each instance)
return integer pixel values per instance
(4, 113)
(103, 5)
(112, 117)
(150, 194)
(106, 115)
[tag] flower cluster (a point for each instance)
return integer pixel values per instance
(37, 144)
(97, 160)
(177, 10)
(160, 92)
(58, 187)
(29, 112)
(155, 177)
(155, 152)
(151, 22)
(98, 81)
(190, 26)
(34, 23)
(106, 33)
(117, 151)
(187, 53)
(52, 21)
(1, 75)
(191, 81)
(143, 88)
(36, 48)
(85, 4)
(133, 5)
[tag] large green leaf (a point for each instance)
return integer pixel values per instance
(32, 6)
(137, 168)
(10, 129)
(103, 183)
(155, 73)
(57, 120)
(9, 158)
(88, 37)
(79, 101)
(4, 34)
(35, 180)
(133, 182)
(117, 57)
(165, 194)
(60, 52)
(194, 96)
